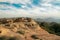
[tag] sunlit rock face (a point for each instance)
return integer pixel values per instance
(30, 8)
(23, 29)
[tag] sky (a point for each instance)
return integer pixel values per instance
(30, 8)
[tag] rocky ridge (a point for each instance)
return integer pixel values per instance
(23, 29)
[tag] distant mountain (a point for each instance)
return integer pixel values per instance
(48, 20)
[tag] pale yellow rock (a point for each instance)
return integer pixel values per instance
(26, 30)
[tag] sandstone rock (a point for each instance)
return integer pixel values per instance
(23, 29)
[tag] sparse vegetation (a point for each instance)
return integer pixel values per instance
(52, 27)
(3, 38)
(12, 38)
(34, 37)
(8, 38)
(21, 32)
(7, 24)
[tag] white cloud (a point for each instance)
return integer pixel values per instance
(16, 1)
(45, 10)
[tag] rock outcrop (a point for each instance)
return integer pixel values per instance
(23, 29)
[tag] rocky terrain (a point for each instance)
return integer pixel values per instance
(23, 29)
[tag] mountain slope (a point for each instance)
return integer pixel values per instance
(23, 29)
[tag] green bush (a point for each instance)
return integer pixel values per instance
(52, 27)
(56, 28)
(34, 37)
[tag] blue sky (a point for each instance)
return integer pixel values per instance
(30, 8)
